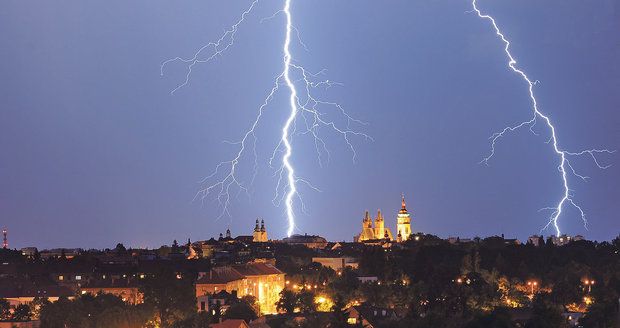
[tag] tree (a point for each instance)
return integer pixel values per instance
(287, 301)
(305, 302)
(22, 313)
(174, 299)
(339, 316)
(5, 309)
(499, 318)
(545, 314)
(120, 249)
(241, 310)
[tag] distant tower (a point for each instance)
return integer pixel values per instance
(367, 222)
(403, 222)
(5, 240)
(260, 234)
(379, 225)
(380, 231)
(228, 233)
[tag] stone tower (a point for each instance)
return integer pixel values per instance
(260, 234)
(379, 225)
(403, 222)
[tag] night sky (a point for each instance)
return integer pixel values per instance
(95, 150)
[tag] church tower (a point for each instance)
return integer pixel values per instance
(260, 234)
(403, 222)
(379, 225)
(380, 231)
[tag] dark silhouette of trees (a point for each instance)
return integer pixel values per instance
(287, 301)
(5, 309)
(22, 313)
(173, 299)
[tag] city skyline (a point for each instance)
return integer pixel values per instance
(98, 152)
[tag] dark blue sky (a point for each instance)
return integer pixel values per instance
(95, 150)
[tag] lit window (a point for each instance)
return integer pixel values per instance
(78, 277)
(352, 321)
(61, 278)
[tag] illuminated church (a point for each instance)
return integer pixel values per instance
(378, 231)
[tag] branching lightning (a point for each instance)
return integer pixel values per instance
(564, 165)
(300, 83)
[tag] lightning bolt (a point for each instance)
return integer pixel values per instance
(300, 83)
(564, 164)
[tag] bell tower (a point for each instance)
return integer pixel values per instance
(379, 225)
(403, 221)
(260, 234)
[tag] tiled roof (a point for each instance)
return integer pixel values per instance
(30, 290)
(220, 276)
(111, 283)
(227, 274)
(257, 269)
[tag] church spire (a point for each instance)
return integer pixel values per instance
(403, 208)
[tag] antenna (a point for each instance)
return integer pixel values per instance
(5, 240)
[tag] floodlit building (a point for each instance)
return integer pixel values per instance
(310, 241)
(125, 289)
(337, 263)
(261, 280)
(378, 231)
(260, 234)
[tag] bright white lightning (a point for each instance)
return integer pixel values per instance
(288, 202)
(563, 155)
(225, 178)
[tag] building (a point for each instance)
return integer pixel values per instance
(261, 280)
(221, 300)
(369, 316)
(538, 240)
(403, 222)
(309, 241)
(230, 323)
(26, 292)
(125, 289)
(379, 232)
(337, 263)
(260, 234)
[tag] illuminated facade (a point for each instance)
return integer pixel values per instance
(403, 222)
(261, 280)
(378, 231)
(260, 234)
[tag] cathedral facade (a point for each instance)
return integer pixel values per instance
(260, 234)
(378, 231)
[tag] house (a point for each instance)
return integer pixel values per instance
(309, 241)
(25, 292)
(337, 263)
(369, 316)
(230, 323)
(261, 280)
(222, 300)
(126, 289)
